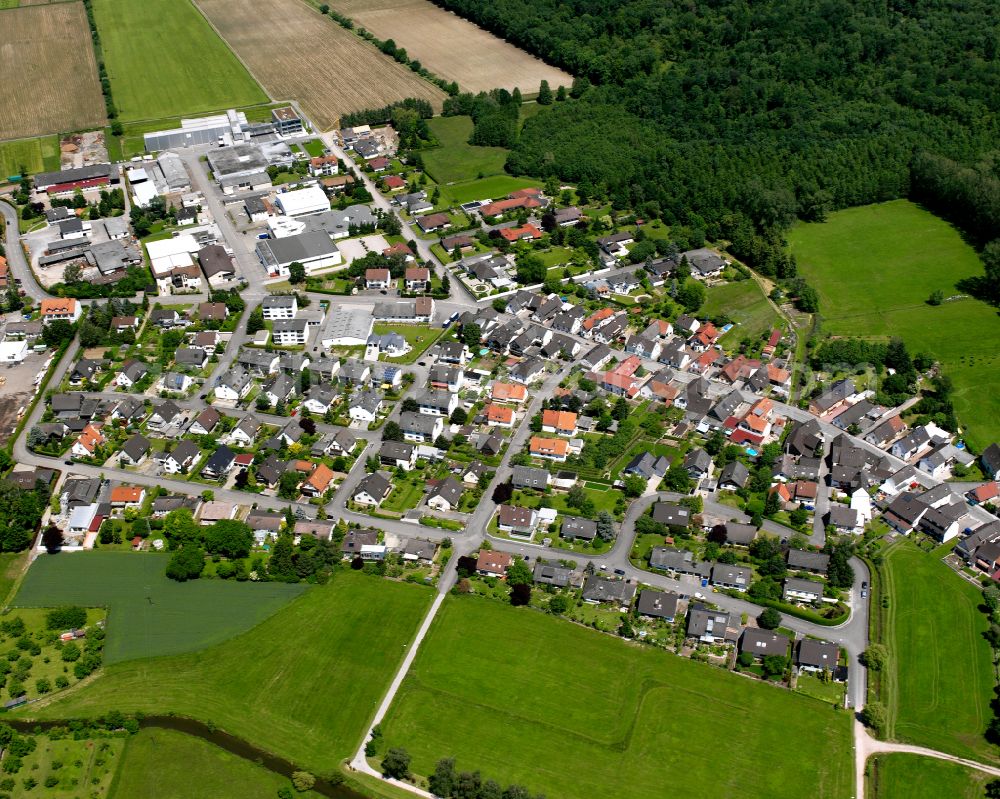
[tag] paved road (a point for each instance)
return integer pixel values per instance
(15, 255)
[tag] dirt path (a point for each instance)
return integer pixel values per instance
(865, 747)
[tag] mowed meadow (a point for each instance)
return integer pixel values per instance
(303, 684)
(164, 60)
(902, 776)
(940, 680)
(299, 54)
(875, 267)
(524, 697)
(451, 47)
(48, 73)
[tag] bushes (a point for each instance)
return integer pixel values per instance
(68, 617)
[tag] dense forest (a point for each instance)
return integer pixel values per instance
(728, 116)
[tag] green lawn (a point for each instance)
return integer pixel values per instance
(902, 776)
(940, 683)
(314, 147)
(33, 155)
(405, 495)
(603, 500)
(164, 59)
(149, 615)
(745, 304)
(494, 188)
(11, 564)
(419, 337)
(303, 684)
(525, 697)
(455, 159)
(875, 266)
(832, 692)
(164, 764)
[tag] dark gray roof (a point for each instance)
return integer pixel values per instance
(658, 604)
(601, 589)
(376, 485)
(812, 561)
(552, 574)
(671, 514)
(529, 477)
(763, 642)
(817, 654)
(578, 527)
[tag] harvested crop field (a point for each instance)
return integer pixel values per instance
(56, 89)
(451, 47)
(298, 54)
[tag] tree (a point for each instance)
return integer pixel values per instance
(180, 528)
(691, 295)
(530, 269)
(936, 298)
(769, 619)
(396, 764)
(605, 525)
(296, 273)
(68, 617)
(799, 516)
(255, 321)
(459, 416)
(187, 563)
(54, 334)
(519, 573)
(303, 781)
(472, 334)
(288, 485)
(520, 594)
(442, 781)
(559, 604)
(875, 716)
(544, 94)
(875, 657)
(840, 573)
(52, 539)
(633, 485)
(229, 537)
(773, 504)
(677, 479)
(72, 273)
(280, 566)
(774, 665)
(392, 432)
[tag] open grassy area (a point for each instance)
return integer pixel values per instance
(81, 768)
(875, 266)
(302, 684)
(164, 59)
(524, 697)
(902, 776)
(455, 159)
(30, 155)
(493, 188)
(11, 564)
(419, 337)
(164, 764)
(940, 681)
(745, 304)
(149, 615)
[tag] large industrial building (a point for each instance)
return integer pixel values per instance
(314, 250)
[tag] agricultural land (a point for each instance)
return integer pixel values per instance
(494, 687)
(56, 89)
(29, 155)
(901, 776)
(940, 680)
(164, 764)
(302, 684)
(150, 615)
(164, 60)
(297, 53)
(451, 47)
(875, 267)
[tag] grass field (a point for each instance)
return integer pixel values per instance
(302, 684)
(451, 47)
(40, 154)
(50, 74)
(298, 54)
(455, 159)
(567, 712)
(902, 776)
(11, 564)
(494, 188)
(940, 682)
(164, 60)
(164, 764)
(745, 304)
(149, 615)
(875, 266)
